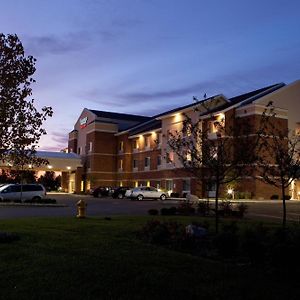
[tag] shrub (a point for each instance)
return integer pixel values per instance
(174, 195)
(254, 243)
(287, 197)
(274, 197)
(186, 208)
(162, 233)
(153, 212)
(6, 237)
(226, 207)
(203, 208)
(242, 209)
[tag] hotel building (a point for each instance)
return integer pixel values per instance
(129, 150)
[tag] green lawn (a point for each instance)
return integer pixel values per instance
(67, 258)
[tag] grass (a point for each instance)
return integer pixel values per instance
(67, 258)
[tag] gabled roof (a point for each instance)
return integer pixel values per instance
(119, 116)
(259, 93)
(246, 98)
(145, 127)
(154, 122)
(181, 108)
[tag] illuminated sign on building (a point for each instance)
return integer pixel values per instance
(83, 122)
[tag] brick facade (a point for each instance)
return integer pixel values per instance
(120, 149)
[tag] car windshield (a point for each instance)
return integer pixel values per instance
(3, 186)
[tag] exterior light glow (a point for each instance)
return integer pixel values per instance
(230, 191)
(68, 168)
(29, 166)
(177, 117)
(49, 167)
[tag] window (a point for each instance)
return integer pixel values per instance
(186, 185)
(79, 150)
(187, 130)
(121, 164)
(147, 141)
(169, 185)
(147, 162)
(170, 157)
(189, 156)
(91, 147)
(135, 164)
(121, 146)
(159, 160)
(135, 145)
(158, 140)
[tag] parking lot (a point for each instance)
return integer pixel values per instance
(107, 206)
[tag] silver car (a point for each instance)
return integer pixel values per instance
(145, 192)
(12, 192)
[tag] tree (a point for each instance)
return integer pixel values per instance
(49, 181)
(279, 156)
(215, 152)
(20, 121)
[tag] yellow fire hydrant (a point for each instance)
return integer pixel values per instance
(81, 207)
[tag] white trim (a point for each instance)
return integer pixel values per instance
(100, 130)
(99, 153)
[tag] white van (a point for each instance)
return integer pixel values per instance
(12, 192)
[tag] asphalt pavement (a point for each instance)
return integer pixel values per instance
(267, 210)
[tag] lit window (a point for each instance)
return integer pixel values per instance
(158, 139)
(91, 146)
(121, 164)
(147, 161)
(135, 144)
(121, 146)
(170, 157)
(147, 142)
(188, 156)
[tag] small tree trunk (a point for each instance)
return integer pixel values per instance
(21, 181)
(217, 208)
(283, 206)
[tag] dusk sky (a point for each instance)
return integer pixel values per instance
(148, 56)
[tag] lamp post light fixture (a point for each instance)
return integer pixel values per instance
(230, 191)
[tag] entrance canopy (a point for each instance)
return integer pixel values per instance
(59, 161)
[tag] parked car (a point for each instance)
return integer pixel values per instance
(102, 191)
(145, 192)
(120, 192)
(12, 192)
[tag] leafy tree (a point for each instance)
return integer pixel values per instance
(49, 181)
(20, 121)
(279, 156)
(215, 152)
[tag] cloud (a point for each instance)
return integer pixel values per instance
(58, 137)
(57, 45)
(171, 93)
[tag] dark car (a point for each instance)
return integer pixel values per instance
(120, 192)
(102, 191)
